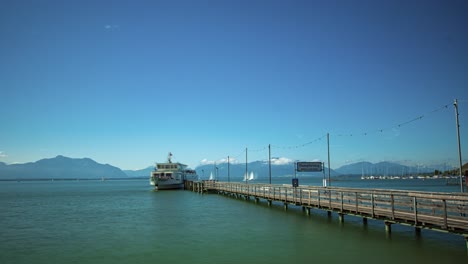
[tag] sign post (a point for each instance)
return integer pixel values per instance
(310, 167)
(295, 180)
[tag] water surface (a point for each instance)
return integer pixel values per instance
(127, 222)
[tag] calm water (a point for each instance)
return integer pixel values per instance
(126, 222)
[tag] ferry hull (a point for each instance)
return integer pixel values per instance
(171, 186)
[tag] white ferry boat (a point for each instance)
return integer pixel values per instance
(171, 175)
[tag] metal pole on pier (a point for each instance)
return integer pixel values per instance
(229, 172)
(324, 181)
(455, 104)
(246, 171)
(328, 144)
(216, 172)
(269, 161)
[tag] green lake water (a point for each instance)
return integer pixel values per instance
(126, 222)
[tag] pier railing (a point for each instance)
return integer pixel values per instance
(442, 211)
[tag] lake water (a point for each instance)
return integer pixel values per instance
(126, 222)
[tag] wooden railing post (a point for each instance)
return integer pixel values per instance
(357, 203)
(300, 196)
(444, 204)
(393, 206)
(341, 194)
(318, 192)
(372, 201)
(415, 209)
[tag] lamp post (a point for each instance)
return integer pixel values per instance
(269, 162)
(328, 146)
(455, 104)
(203, 172)
(216, 173)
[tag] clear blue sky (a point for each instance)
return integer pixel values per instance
(125, 82)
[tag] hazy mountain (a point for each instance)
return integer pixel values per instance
(381, 168)
(139, 173)
(258, 168)
(60, 167)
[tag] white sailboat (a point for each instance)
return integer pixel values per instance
(250, 176)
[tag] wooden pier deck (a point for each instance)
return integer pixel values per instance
(424, 210)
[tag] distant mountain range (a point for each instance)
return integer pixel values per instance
(385, 168)
(381, 168)
(139, 173)
(62, 167)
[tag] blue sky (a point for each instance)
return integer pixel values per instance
(125, 82)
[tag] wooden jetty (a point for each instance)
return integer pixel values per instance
(445, 212)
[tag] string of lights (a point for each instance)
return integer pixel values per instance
(397, 126)
(380, 130)
(258, 150)
(300, 145)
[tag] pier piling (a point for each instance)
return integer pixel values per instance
(340, 217)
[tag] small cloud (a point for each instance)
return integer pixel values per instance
(281, 161)
(211, 162)
(3, 154)
(206, 162)
(110, 27)
(231, 160)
